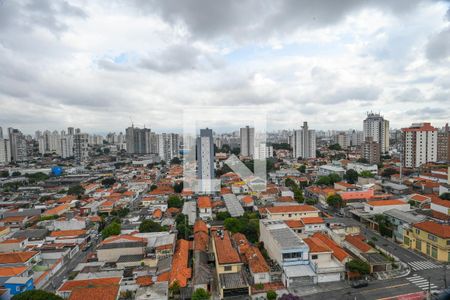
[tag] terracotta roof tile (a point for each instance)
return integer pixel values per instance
(67, 233)
(12, 271)
(338, 252)
(440, 230)
(105, 292)
(226, 253)
(291, 208)
(358, 242)
(16, 257)
(204, 202)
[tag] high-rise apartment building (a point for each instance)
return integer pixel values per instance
(443, 145)
(419, 144)
(5, 151)
(66, 146)
(138, 140)
(247, 137)
(168, 146)
(376, 127)
(371, 151)
(81, 147)
(1, 133)
(18, 145)
(303, 142)
(205, 159)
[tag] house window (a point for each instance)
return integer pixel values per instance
(434, 252)
(417, 231)
(448, 242)
(290, 215)
(227, 268)
(314, 256)
(432, 237)
(419, 245)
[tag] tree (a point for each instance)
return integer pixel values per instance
(111, 229)
(200, 294)
(76, 190)
(174, 201)
(175, 161)
(351, 176)
(149, 226)
(108, 182)
(289, 182)
(232, 224)
(153, 187)
(336, 147)
(366, 174)
(36, 177)
(4, 173)
(271, 295)
(121, 212)
(281, 146)
(328, 180)
(445, 196)
(36, 295)
(178, 187)
(16, 174)
(245, 225)
(302, 169)
(362, 160)
(357, 265)
(335, 201)
(222, 215)
(388, 172)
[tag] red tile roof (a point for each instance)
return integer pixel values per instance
(199, 225)
(77, 284)
(294, 223)
(144, 280)
(226, 253)
(180, 271)
(67, 233)
(440, 230)
(204, 202)
(312, 220)
(338, 252)
(316, 245)
(16, 257)
(12, 271)
(386, 202)
(291, 208)
(358, 242)
(439, 201)
(105, 292)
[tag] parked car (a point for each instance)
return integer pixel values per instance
(359, 284)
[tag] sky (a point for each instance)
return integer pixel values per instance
(100, 65)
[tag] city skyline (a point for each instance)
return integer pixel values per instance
(76, 64)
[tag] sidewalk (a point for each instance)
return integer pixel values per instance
(319, 288)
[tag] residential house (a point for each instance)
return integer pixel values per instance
(401, 220)
(291, 212)
(429, 238)
(204, 207)
(380, 206)
(112, 248)
(230, 276)
(92, 289)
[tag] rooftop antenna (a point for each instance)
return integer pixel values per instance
(132, 125)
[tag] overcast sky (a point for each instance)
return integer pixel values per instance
(96, 64)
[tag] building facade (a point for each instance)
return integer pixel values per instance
(371, 151)
(376, 127)
(247, 136)
(303, 142)
(419, 145)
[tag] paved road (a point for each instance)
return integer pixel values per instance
(57, 279)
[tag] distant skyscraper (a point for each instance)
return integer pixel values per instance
(5, 151)
(1, 133)
(18, 145)
(376, 127)
(371, 151)
(303, 142)
(70, 131)
(80, 147)
(168, 146)
(138, 140)
(419, 144)
(205, 159)
(247, 136)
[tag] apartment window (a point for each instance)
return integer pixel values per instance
(227, 268)
(448, 256)
(448, 242)
(417, 231)
(290, 215)
(432, 237)
(314, 256)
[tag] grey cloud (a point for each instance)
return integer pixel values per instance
(26, 15)
(179, 58)
(438, 47)
(410, 95)
(357, 93)
(261, 18)
(427, 112)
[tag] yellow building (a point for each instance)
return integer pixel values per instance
(231, 279)
(430, 238)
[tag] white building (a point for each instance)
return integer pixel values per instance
(303, 142)
(247, 136)
(205, 160)
(380, 206)
(419, 144)
(376, 127)
(359, 167)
